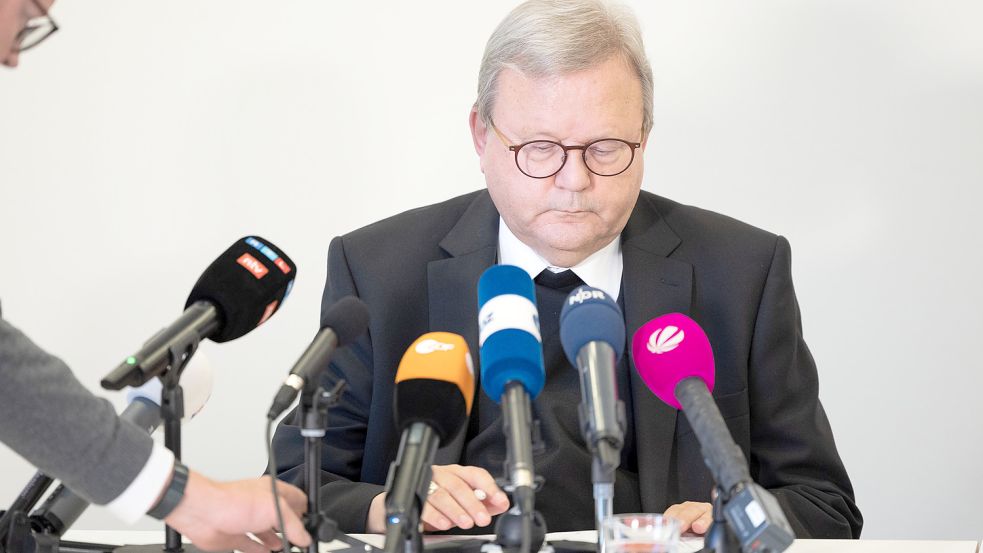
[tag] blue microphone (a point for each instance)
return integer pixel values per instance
(512, 372)
(592, 331)
(511, 347)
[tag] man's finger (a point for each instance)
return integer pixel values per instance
(480, 479)
(687, 513)
(702, 524)
(247, 545)
(294, 530)
(446, 505)
(270, 540)
(463, 493)
(294, 497)
(434, 520)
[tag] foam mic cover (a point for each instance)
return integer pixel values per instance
(348, 317)
(671, 348)
(435, 384)
(510, 343)
(590, 315)
(246, 284)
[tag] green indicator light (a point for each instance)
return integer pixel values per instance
(131, 360)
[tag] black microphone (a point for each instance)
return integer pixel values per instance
(239, 291)
(63, 507)
(673, 356)
(433, 397)
(592, 331)
(341, 324)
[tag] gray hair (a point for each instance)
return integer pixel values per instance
(544, 38)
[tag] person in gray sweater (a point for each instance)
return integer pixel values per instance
(84, 443)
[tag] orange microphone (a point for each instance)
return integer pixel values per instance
(434, 393)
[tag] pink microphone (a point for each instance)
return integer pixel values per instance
(673, 356)
(668, 349)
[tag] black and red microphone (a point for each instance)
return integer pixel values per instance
(673, 356)
(239, 291)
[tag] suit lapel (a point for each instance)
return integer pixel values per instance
(653, 285)
(452, 284)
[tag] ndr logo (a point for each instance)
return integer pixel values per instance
(665, 339)
(584, 295)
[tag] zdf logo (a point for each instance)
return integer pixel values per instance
(430, 345)
(665, 339)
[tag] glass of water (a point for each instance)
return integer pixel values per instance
(639, 533)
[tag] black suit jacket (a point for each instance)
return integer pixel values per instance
(418, 272)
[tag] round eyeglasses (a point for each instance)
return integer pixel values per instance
(542, 159)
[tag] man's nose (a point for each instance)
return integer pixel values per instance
(574, 175)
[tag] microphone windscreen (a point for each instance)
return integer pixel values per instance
(590, 315)
(196, 386)
(247, 284)
(668, 349)
(348, 317)
(509, 341)
(435, 384)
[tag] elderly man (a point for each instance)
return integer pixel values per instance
(562, 118)
(102, 458)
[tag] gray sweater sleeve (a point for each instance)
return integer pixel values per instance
(51, 419)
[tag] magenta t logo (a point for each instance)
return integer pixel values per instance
(665, 339)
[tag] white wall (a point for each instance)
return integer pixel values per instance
(147, 136)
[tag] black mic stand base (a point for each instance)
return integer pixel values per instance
(508, 532)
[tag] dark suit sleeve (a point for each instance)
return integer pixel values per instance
(343, 497)
(792, 449)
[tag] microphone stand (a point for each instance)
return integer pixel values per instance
(720, 536)
(521, 529)
(313, 412)
(15, 526)
(171, 412)
(314, 404)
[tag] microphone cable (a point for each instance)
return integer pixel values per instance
(271, 469)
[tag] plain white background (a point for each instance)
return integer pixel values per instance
(145, 137)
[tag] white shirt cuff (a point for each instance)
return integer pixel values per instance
(142, 494)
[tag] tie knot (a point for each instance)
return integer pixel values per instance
(556, 281)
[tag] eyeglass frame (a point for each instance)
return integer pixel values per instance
(514, 148)
(45, 15)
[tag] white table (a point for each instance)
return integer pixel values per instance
(689, 544)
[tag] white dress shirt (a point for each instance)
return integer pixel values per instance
(602, 269)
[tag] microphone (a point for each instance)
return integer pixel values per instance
(592, 332)
(63, 507)
(341, 324)
(673, 356)
(239, 291)
(432, 401)
(512, 372)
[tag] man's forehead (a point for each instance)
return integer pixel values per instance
(604, 98)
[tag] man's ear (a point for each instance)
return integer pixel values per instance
(479, 131)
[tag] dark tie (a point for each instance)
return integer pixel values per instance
(563, 280)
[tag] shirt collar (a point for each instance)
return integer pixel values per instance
(602, 269)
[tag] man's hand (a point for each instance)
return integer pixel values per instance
(220, 515)
(464, 497)
(692, 516)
